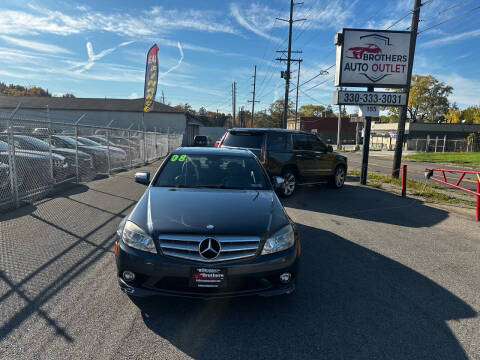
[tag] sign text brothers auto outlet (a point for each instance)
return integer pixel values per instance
(372, 58)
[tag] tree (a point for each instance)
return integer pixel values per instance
(68, 95)
(262, 120)
(471, 115)
(310, 110)
(428, 99)
(19, 90)
(454, 114)
(276, 112)
(186, 108)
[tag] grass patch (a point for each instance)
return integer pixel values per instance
(426, 191)
(471, 159)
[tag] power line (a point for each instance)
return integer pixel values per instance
(449, 19)
(453, 6)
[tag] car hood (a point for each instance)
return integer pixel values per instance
(231, 212)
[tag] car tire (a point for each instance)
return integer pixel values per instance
(288, 188)
(338, 179)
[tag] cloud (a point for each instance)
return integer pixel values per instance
(133, 95)
(445, 40)
(92, 57)
(463, 88)
(235, 12)
(156, 21)
(176, 65)
(35, 45)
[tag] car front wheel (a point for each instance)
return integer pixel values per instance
(289, 184)
(338, 179)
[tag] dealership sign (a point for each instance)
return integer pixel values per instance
(376, 58)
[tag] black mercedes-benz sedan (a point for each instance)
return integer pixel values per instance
(209, 225)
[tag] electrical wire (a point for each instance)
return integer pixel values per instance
(449, 19)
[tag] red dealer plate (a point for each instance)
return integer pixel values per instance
(203, 277)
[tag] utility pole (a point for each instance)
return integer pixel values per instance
(288, 60)
(234, 95)
(253, 101)
(397, 158)
(296, 101)
(241, 117)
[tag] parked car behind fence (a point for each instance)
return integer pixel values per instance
(36, 156)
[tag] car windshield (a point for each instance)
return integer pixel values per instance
(243, 139)
(86, 141)
(212, 171)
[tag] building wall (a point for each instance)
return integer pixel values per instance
(163, 122)
(216, 133)
(326, 128)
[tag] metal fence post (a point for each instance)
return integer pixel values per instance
(454, 145)
(444, 142)
(12, 164)
(144, 146)
(416, 145)
(52, 177)
(76, 153)
(436, 142)
(427, 144)
(130, 150)
(108, 152)
(168, 141)
(76, 146)
(156, 147)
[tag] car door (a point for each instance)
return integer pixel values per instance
(324, 160)
(304, 156)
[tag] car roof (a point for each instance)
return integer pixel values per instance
(269, 130)
(212, 151)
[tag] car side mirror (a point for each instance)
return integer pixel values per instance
(278, 182)
(329, 148)
(142, 178)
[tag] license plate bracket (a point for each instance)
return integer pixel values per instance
(204, 277)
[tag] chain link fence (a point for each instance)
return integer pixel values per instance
(438, 144)
(36, 156)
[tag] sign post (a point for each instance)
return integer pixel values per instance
(371, 58)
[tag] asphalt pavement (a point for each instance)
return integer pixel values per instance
(382, 277)
(382, 162)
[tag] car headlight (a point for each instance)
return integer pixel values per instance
(59, 163)
(281, 240)
(135, 237)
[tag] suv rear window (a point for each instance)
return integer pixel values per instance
(243, 139)
(278, 142)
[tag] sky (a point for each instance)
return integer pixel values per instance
(98, 48)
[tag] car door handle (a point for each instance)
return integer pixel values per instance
(299, 156)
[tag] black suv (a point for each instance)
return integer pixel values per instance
(299, 157)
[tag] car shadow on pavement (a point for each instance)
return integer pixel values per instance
(350, 303)
(366, 203)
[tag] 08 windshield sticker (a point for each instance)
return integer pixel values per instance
(179, 158)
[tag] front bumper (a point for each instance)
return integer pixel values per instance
(160, 275)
